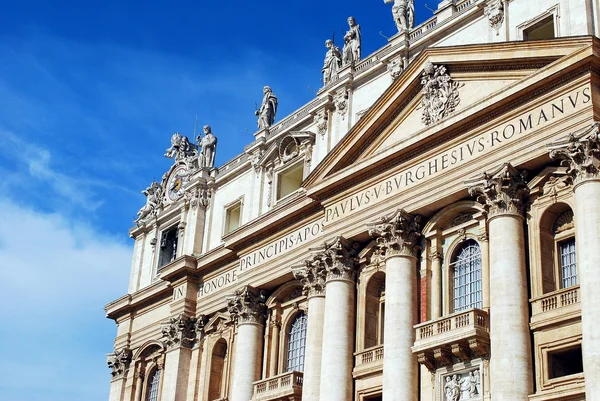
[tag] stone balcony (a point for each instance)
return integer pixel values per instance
(463, 335)
(555, 307)
(284, 387)
(368, 362)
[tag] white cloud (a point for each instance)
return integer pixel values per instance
(56, 277)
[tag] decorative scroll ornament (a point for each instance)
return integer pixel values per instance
(321, 122)
(179, 331)
(198, 197)
(247, 305)
(341, 103)
(494, 10)
(440, 94)
(397, 234)
(580, 153)
(338, 259)
(154, 201)
(312, 276)
(501, 191)
(119, 361)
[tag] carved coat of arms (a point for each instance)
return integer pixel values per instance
(440, 94)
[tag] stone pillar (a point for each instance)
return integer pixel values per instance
(485, 271)
(248, 310)
(398, 236)
(337, 361)
(139, 383)
(436, 284)
(502, 192)
(274, 354)
(312, 276)
(581, 153)
(118, 362)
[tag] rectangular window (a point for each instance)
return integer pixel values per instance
(288, 181)
(568, 263)
(168, 246)
(233, 217)
(565, 362)
(541, 30)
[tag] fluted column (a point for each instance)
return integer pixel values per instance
(337, 352)
(312, 277)
(502, 192)
(248, 310)
(581, 154)
(398, 236)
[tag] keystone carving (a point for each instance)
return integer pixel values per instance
(119, 361)
(580, 153)
(337, 259)
(501, 191)
(440, 94)
(179, 331)
(247, 305)
(312, 276)
(397, 234)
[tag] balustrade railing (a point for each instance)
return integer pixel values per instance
(556, 300)
(473, 318)
(285, 384)
(368, 356)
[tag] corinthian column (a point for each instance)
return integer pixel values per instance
(312, 276)
(248, 310)
(397, 236)
(502, 192)
(581, 154)
(339, 262)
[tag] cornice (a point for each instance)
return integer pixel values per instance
(130, 302)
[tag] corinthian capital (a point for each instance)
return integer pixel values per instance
(247, 305)
(397, 234)
(119, 361)
(501, 191)
(580, 153)
(179, 331)
(312, 276)
(337, 259)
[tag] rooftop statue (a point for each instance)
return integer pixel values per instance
(333, 62)
(403, 12)
(181, 148)
(208, 145)
(153, 195)
(352, 43)
(268, 109)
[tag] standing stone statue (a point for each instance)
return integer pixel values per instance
(333, 61)
(403, 12)
(208, 143)
(268, 108)
(352, 43)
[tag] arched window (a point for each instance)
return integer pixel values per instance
(297, 343)
(217, 370)
(154, 385)
(374, 316)
(563, 229)
(466, 270)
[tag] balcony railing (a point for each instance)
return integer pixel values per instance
(368, 361)
(462, 335)
(556, 307)
(286, 386)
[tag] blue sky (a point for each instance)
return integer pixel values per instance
(90, 93)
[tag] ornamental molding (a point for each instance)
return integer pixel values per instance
(312, 275)
(321, 122)
(580, 153)
(248, 305)
(440, 94)
(340, 101)
(119, 361)
(397, 234)
(179, 331)
(198, 197)
(494, 11)
(395, 69)
(501, 191)
(282, 151)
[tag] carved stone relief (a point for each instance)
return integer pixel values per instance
(337, 260)
(397, 234)
(247, 305)
(494, 10)
(440, 94)
(395, 69)
(580, 153)
(462, 386)
(321, 122)
(119, 361)
(341, 103)
(179, 331)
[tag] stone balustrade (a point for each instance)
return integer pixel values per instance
(463, 335)
(286, 386)
(368, 361)
(556, 307)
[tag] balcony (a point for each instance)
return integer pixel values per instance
(463, 335)
(368, 362)
(284, 387)
(556, 307)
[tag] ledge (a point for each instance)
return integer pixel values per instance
(555, 307)
(368, 362)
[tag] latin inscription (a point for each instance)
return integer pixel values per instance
(453, 157)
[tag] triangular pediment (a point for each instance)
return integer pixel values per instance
(473, 81)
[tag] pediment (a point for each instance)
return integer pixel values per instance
(218, 323)
(471, 81)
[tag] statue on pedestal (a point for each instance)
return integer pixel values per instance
(268, 109)
(352, 43)
(208, 143)
(332, 63)
(403, 12)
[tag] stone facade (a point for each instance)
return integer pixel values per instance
(405, 235)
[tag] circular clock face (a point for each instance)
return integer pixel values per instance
(175, 183)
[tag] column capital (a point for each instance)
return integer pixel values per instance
(337, 259)
(436, 255)
(397, 234)
(580, 153)
(502, 191)
(179, 331)
(119, 361)
(247, 305)
(312, 276)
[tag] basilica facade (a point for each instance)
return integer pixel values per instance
(427, 228)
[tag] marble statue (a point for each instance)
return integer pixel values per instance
(268, 109)
(208, 145)
(352, 43)
(333, 61)
(153, 195)
(452, 388)
(403, 12)
(181, 149)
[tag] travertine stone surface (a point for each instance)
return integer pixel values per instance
(314, 341)
(246, 369)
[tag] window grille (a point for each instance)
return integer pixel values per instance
(467, 277)
(568, 263)
(297, 343)
(153, 388)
